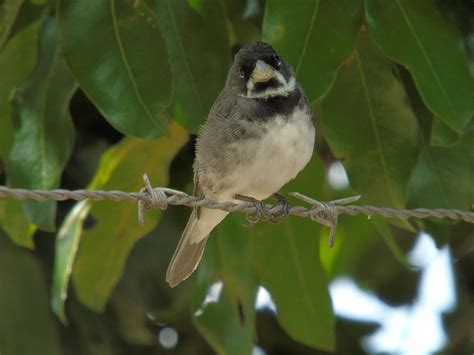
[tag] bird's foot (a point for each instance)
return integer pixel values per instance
(285, 208)
(261, 210)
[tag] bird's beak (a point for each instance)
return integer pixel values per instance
(262, 72)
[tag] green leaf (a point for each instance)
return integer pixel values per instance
(241, 29)
(384, 230)
(444, 175)
(369, 123)
(103, 249)
(415, 34)
(90, 333)
(67, 242)
(442, 135)
(354, 236)
(15, 224)
(287, 261)
(126, 72)
(290, 269)
(199, 51)
(16, 62)
(222, 326)
(9, 11)
(228, 324)
(16, 15)
(44, 138)
(314, 36)
(26, 325)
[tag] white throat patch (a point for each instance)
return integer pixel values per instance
(283, 90)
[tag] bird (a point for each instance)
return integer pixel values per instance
(258, 136)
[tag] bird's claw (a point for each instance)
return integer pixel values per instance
(285, 208)
(262, 211)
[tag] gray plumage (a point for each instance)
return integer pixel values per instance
(258, 136)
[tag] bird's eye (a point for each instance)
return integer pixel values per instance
(241, 72)
(276, 60)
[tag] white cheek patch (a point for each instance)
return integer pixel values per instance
(283, 90)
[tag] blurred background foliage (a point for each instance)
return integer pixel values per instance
(94, 93)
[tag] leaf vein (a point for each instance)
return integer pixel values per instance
(376, 134)
(425, 55)
(308, 35)
(127, 65)
(427, 152)
(44, 165)
(299, 271)
(185, 60)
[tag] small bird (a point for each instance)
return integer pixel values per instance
(258, 136)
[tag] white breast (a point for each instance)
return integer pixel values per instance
(272, 160)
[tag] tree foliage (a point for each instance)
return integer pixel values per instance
(94, 93)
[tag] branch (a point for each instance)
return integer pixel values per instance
(325, 213)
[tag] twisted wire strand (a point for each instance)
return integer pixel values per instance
(173, 197)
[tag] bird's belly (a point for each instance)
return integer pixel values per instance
(270, 161)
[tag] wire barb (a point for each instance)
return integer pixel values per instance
(156, 199)
(325, 213)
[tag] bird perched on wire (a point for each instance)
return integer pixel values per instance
(258, 136)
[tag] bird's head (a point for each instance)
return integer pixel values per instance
(258, 72)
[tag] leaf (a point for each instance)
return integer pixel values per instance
(8, 13)
(103, 249)
(222, 326)
(443, 176)
(355, 235)
(241, 29)
(304, 33)
(126, 72)
(228, 324)
(67, 242)
(16, 15)
(15, 224)
(415, 34)
(384, 231)
(368, 122)
(199, 58)
(26, 325)
(142, 296)
(44, 138)
(16, 61)
(442, 135)
(90, 333)
(287, 261)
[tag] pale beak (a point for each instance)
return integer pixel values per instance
(262, 73)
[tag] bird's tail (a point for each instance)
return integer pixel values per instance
(190, 248)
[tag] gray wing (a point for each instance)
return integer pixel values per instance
(216, 149)
(211, 161)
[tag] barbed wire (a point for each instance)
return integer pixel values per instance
(325, 213)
